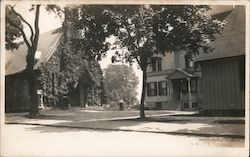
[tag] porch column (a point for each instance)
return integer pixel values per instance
(189, 92)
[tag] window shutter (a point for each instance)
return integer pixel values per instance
(159, 88)
(155, 84)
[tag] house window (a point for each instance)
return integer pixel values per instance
(154, 66)
(163, 88)
(157, 65)
(152, 89)
(193, 83)
(159, 60)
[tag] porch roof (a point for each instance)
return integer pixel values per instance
(180, 74)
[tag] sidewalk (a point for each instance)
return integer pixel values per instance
(167, 122)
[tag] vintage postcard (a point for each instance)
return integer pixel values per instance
(124, 78)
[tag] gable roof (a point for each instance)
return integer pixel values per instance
(179, 74)
(231, 41)
(15, 61)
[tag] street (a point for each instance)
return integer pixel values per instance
(28, 140)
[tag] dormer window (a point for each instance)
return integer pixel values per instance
(157, 64)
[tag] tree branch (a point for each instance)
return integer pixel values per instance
(35, 42)
(21, 17)
(21, 30)
(130, 39)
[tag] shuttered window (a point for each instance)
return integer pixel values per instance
(163, 88)
(152, 89)
(157, 65)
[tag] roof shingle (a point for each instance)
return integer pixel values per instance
(15, 61)
(231, 41)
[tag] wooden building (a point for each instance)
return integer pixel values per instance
(223, 71)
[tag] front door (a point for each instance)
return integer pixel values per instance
(176, 89)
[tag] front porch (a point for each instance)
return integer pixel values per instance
(185, 91)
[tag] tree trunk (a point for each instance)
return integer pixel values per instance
(31, 56)
(144, 84)
(32, 84)
(33, 94)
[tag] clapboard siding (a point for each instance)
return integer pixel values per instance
(221, 84)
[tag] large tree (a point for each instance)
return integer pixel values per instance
(15, 35)
(14, 29)
(120, 82)
(147, 30)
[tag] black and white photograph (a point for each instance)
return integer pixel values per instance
(124, 78)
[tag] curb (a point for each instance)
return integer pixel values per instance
(131, 130)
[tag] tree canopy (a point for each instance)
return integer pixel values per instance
(120, 82)
(148, 30)
(93, 26)
(12, 33)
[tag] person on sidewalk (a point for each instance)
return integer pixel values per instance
(121, 102)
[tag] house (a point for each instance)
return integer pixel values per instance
(211, 82)
(172, 83)
(49, 65)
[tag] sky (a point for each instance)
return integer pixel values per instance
(48, 21)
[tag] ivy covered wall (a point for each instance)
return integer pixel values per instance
(71, 72)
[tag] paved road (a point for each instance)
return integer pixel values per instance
(26, 140)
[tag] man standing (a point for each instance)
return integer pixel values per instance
(121, 102)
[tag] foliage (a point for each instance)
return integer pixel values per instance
(12, 34)
(120, 82)
(94, 25)
(61, 74)
(77, 54)
(147, 30)
(186, 27)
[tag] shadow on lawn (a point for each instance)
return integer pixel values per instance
(68, 121)
(99, 126)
